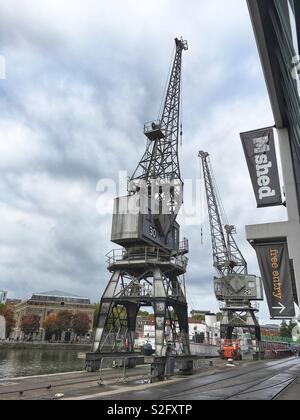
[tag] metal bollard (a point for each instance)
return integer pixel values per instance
(101, 382)
(124, 379)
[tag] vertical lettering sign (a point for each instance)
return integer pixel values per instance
(259, 148)
(274, 266)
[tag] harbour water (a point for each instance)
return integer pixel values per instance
(28, 362)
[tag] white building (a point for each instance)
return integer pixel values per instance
(207, 332)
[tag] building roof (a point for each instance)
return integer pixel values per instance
(195, 321)
(200, 312)
(13, 302)
(58, 293)
(271, 326)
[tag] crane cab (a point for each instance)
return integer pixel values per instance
(238, 286)
(153, 130)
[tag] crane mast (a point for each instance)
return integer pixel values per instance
(237, 262)
(233, 286)
(160, 160)
(159, 168)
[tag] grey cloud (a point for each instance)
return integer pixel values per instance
(82, 79)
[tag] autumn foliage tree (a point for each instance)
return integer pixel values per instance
(64, 321)
(57, 323)
(30, 324)
(81, 323)
(51, 327)
(8, 313)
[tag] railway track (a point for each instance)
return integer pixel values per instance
(268, 386)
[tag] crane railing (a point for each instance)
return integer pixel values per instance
(149, 256)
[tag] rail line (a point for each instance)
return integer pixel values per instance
(249, 390)
(247, 372)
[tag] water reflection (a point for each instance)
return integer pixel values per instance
(37, 362)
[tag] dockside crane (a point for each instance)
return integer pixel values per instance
(233, 286)
(148, 270)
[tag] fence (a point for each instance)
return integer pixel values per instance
(274, 339)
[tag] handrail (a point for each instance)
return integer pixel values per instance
(284, 340)
(116, 255)
(124, 378)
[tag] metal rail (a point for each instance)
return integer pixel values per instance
(121, 255)
(170, 396)
(124, 378)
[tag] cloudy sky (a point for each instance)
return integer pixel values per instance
(82, 77)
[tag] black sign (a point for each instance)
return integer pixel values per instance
(274, 266)
(259, 148)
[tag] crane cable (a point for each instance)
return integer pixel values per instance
(189, 296)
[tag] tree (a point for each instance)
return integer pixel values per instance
(118, 312)
(219, 316)
(290, 328)
(143, 313)
(81, 323)
(117, 316)
(64, 321)
(287, 329)
(199, 318)
(2, 306)
(8, 314)
(284, 330)
(30, 324)
(96, 313)
(50, 326)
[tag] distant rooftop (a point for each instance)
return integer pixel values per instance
(58, 295)
(200, 312)
(13, 301)
(270, 326)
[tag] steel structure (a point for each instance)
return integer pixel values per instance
(226, 254)
(234, 286)
(149, 270)
(160, 160)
